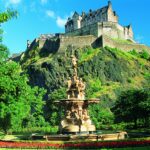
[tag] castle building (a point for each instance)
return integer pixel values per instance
(103, 21)
(97, 28)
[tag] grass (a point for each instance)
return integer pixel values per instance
(104, 90)
(122, 41)
(127, 55)
(129, 148)
(88, 54)
(1, 135)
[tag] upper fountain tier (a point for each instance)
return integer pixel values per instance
(76, 87)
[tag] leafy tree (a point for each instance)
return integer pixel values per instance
(101, 116)
(132, 105)
(54, 116)
(5, 16)
(145, 106)
(18, 101)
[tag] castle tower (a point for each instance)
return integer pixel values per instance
(74, 23)
(111, 15)
(109, 4)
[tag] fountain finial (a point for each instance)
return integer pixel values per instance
(76, 86)
(74, 64)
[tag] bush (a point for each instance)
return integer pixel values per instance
(134, 52)
(144, 54)
(43, 130)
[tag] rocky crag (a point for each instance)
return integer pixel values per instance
(106, 71)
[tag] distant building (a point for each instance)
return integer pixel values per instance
(97, 23)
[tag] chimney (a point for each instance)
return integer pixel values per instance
(90, 12)
(109, 4)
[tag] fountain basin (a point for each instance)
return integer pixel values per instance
(87, 137)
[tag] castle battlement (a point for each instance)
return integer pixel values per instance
(98, 22)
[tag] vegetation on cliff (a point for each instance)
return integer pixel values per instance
(106, 71)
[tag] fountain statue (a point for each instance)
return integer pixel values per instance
(76, 119)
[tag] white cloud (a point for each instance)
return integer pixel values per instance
(50, 13)
(61, 22)
(44, 1)
(14, 1)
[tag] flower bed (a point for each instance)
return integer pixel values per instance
(111, 144)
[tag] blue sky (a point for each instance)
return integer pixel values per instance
(48, 16)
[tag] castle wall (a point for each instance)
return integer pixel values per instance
(76, 41)
(87, 30)
(114, 30)
(111, 29)
(106, 41)
(99, 17)
(62, 42)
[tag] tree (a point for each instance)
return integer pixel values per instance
(145, 106)
(101, 116)
(132, 105)
(5, 16)
(18, 100)
(55, 111)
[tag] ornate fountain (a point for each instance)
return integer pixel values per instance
(76, 119)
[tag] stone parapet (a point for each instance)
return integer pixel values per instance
(124, 45)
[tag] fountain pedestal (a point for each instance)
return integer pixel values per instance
(76, 116)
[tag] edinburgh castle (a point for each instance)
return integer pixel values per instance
(97, 23)
(97, 28)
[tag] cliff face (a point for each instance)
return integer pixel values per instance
(106, 71)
